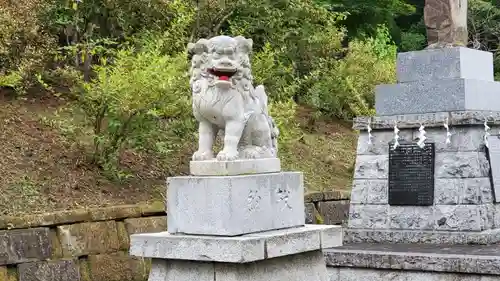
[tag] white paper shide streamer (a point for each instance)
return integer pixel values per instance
(448, 134)
(369, 129)
(421, 136)
(396, 135)
(486, 132)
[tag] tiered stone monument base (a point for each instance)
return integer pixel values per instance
(289, 254)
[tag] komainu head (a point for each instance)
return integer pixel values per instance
(223, 61)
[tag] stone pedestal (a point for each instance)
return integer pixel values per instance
(239, 220)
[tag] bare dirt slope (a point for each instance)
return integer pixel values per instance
(40, 170)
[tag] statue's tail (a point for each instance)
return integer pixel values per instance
(263, 100)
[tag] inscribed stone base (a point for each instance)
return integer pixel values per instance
(235, 205)
(456, 94)
(236, 167)
(240, 249)
(445, 63)
(299, 267)
(486, 237)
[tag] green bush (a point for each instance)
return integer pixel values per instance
(345, 88)
(130, 101)
(25, 47)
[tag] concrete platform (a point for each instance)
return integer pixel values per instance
(240, 249)
(237, 167)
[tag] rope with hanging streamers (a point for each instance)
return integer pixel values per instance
(396, 135)
(369, 129)
(448, 134)
(421, 136)
(486, 132)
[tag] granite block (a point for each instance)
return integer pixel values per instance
(478, 259)
(463, 139)
(181, 270)
(394, 236)
(239, 249)
(371, 167)
(62, 270)
(437, 96)
(334, 212)
(368, 216)
(365, 274)
(494, 157)
(25, 245)
(304, 266)
(236, 167)
(461, 165)
(457, 217)
(235, 205)
(411, 217)
(444, 63)
(310, 211)
(373, 192)
(300, 267)
(89, 238)
(462, 191)
(380, 141)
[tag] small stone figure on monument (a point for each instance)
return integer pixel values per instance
(225, 99)
(446, 22)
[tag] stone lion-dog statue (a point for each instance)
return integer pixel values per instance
(224, 99)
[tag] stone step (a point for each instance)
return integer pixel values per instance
(235, 205)
(240, 249)
(417, 257)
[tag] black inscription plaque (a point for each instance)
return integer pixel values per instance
(411, 175)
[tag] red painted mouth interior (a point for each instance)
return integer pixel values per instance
(222, 75)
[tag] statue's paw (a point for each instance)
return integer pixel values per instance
(227, 155)
(203, 155)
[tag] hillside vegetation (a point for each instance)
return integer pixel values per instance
(95, 104)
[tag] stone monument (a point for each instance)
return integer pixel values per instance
(237, 216)
(446, 22)
(425, 195)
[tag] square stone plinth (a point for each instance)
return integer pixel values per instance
(444, 63)
(240, 249)
(235, 205)
(304, 266)
(236, 167)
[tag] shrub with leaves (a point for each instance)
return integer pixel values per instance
(129, 100)
(345, 88)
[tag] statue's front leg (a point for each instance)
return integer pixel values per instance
(232, 137)
(206, 136)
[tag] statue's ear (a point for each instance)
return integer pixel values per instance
(244, 44)
(199, 47)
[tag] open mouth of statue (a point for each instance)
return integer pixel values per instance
(222, 74)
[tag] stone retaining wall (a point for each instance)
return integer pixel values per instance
(92, 244)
